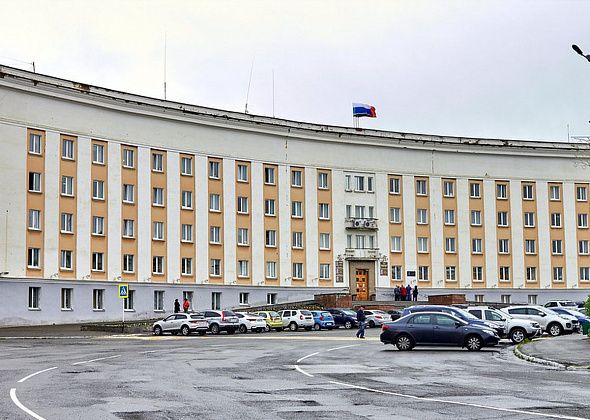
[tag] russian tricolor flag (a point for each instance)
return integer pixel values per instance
(363, 110)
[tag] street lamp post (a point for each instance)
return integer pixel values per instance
(578, 50)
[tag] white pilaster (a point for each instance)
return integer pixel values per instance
(311, 227)
(489, 199)
(229, 221)
(82, 219)
(463, 227)
(143, 200)
(285, 224)
(173, 216)
(114, 193)
(338, 225)
(542, 222)
(257, 233)
(52, 196)
(437, 250)
(570, 222)
(517, 242)
(409, 212)
(202, 227)
(382, 214)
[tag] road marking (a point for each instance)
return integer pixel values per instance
(95, 360)
(22, 407)
(302, 371)
(35, 374)
(342, 347)
(168, 350)
(305, 357)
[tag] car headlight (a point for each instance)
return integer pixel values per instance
(491, 332)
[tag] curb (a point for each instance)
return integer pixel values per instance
(537, 360)
(65, 337)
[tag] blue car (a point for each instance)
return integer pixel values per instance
(322, 320)
(459, 313)
(582, 319)
(343, 317)
(436, 329)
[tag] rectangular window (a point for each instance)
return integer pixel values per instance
(450, 271)
(66, 298)
(243, 205)
(583, 247)
(271, 298)
(34, 219)
(129, 302)
(530, 246)
(216, 301)
(128, 193)
(67, 185)
(271, 270)
(449, 217)
(324, 211)
(158, 233)
(423, 273)
(158, 265)
(476, 247)
(213, 169)
(422, 245)
(242, 236)
(420, 187)
(421, 216)
(67, 149)
(529, 219)
(556, 247)
(532, 299)
(128, 158)
(271, 238)
(558, 274)
(527, 192)
(555, 220)
(242, 173)
(214, 202)
(370, 186)
(396, 244)
(448, 188)
(67, 224)
(394, 215)
(65, 261)
(504, 273)
(186, 166)
(505, 298)
(215, 234)
(33, 260)
(324, 241)
(158, 300)
(583, 220)
(35, 144)
(97, 225)
(581, 194)
(215, 267)
(450, 245)
(34, 182)
(394, 186)
(503, 218)
(477, 273)
(187, 232)
(298, 240)
(244, 298)
(348, 211)
(502, 191)
(97, 153)
(474, 190)
(323, 180)
(157, 162)
(554, 193)
(269, 176)
(349, 241)
(359, 212)
(128, 228)
(128, 263)
(297, 270)
(187, 200)
(479, 298)
(324, 271)
(269, 207)
(98, 190)
(531, 274)
(158, 196)
(297, 209)
(97, 261)
(359, 183)
(396, 272)
(243, 268)
(98, 299)
(584, 273)
(503, 246)
(296, 178)
(475, 217)
(360, 241)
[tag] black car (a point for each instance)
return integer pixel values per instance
(395, 314)
(343, 317)
(436, 329)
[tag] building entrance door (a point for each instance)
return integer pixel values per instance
(362, 284)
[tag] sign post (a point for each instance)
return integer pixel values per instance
(123, 290)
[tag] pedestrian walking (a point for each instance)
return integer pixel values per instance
(176, 306)
(415, 293)
(402, 293)
(361, 318)
(185, 305)
(408, 292)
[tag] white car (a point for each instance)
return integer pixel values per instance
(375, 317)
(515, 329)
(551, 322)
(181, 323)
(250, 322)
(294, 319)
(561, 303)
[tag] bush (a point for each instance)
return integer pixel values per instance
(587, 305)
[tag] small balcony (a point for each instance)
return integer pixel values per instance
(363, 223)
(362, 253)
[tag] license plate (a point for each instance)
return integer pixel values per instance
(232, 319)
(202, 324)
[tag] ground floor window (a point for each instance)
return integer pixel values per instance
(271, 298)
(66, 299)
(98, 299)
(532, 299)
(129, 303)
(216, 300)
(158, 300)
(244, 297)
(505, 298)
(479, 298)
(187, 295)
(34, 297)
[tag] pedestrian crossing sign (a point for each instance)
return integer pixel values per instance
(123, 291)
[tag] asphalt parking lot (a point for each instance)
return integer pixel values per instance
(301, 375)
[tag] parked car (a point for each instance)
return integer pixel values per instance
(515, 329)
(221, 321)
(395, 314)
(375, 318)
(181, 323)
(458, 312)
(250, 322)
(322, 319)
(582, 318)
(561, 303)
(273, 320)
(551, 322)
(296, 318)
(436, 329)
(343, 317)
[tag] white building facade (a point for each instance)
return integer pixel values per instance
(102, 187)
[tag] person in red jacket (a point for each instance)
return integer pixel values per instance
(404, 293)
(185, 305)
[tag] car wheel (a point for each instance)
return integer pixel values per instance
(404, 343)
(185, 330)
(317, 327)
(231, 332)
(554, 329)
(202, 333)
(371, 324)
(293, 326)
(157, 330)
(267, 328)
(473, 343)
(243, 329)
(214, 329)
(348, 325)
(517, 335)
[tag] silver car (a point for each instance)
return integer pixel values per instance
(376, 318)
(222, 321)
(181, 323)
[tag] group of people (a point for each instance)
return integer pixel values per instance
(406, 293)
(185, 306)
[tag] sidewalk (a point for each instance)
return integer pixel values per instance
(569, 350)
(51, 331)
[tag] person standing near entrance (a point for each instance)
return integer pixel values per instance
(415, 293)
(361, 318)
(185, 305)
(408, 292)
(176, 306)
(402, 293)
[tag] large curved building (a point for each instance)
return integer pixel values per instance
(101, 187)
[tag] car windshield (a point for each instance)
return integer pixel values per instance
(274, 314)
(305, 313)
(326, 313)
(464, 314)
(377, 312)
(229, 313)
(550, 311)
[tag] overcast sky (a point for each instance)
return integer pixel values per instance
(501, 69)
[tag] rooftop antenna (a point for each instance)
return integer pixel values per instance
(249, 82)
(30, 63)
(164, 65)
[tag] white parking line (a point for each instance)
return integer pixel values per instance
(22, 407)
(162, 350)
(342, 347)
(96, 360)
(36, 373)
(302, 371)
(305, 357)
